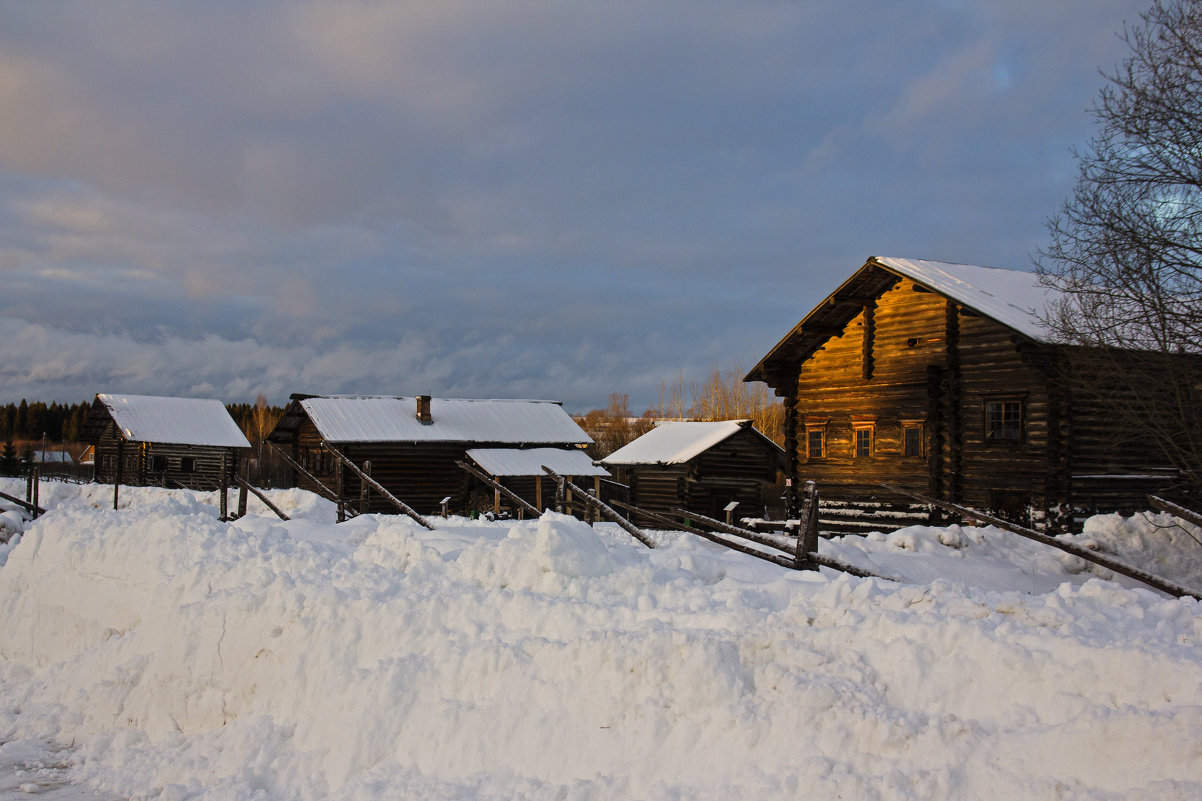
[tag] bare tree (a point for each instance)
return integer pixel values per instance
(1126, 249)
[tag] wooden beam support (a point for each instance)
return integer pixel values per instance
(322, 490)
(1188, 515)
(378, 487)
(246, 485)
(499, 487)
(29, 507)
(1076, 550)
(604, 509)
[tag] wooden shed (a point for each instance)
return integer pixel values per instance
(701, 467)
(520, 470)
(410, 445)
(942, 379)
(172, 442)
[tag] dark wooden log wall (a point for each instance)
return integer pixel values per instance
(139, 464)
(932, 363)
(908, 335)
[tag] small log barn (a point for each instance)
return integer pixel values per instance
(521, 471)
(941, 378)
(142, 440)
(412, 443)
(701, 467)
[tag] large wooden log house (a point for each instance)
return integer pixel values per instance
(940, 378)
(144, 440)
(411, 445)
(701, 467)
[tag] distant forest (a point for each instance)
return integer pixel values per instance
(63, 422)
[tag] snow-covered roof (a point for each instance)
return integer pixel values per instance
(176, 421)
(386, 418)
(53, 457)
(675, 443)
(530, 461)
(1012, 297)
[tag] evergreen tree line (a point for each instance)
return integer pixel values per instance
(57, 422)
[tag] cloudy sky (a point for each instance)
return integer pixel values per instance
(503, 199)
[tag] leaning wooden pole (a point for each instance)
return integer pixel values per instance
(787, 545)
(1188, 515)
(725, 542)
(378, 487)
(604, 509)
(499, 487)
(26, 505)
(246, 485)
(322, 489)
(1156, 582)
(782, 543)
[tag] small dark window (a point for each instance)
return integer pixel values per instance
(187, 465)
(158, 464)
(912, 441)
(815, 442)
(1003, 420)
(863, 442)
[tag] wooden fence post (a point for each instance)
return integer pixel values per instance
(117, 472)
(364, 497)
(242, 500)
(36, 473)
(221, 481)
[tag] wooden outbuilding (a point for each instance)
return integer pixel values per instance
(142, 440)
(520, 470)
(942, 379)
(411, 445)
(702, 467)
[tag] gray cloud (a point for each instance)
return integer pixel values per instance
(501, 198)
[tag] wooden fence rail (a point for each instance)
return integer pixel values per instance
(1123, 569)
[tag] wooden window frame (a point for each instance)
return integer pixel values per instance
(159, 464)
(813, 432)
(863, 441)
(187, 464)
(1019, 423)
(918, 426)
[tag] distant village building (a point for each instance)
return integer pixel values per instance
(941, 378)
(170, 442)
(411, 445)
(701, 467)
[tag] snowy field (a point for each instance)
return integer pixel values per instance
(157, 653)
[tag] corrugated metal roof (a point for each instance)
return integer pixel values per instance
(1012, 297)
(380, 418)
(176, 421)
(674, 443)
(530, 461)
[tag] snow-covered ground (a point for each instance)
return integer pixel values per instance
(157, 652)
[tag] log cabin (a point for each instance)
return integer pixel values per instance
(701, 467)
(941, 378)
(410, 445)
(142, 440)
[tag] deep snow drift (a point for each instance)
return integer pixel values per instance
(175, 656)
